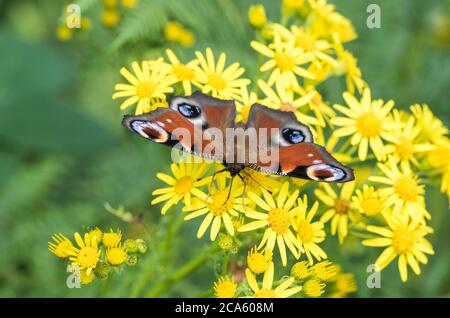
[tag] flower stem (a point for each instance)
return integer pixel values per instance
(180, 274)
(105, 287)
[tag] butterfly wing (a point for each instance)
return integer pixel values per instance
(292, 142)
(189, 122)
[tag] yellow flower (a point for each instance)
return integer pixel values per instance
(314, 288)
(225, 287)
(187, 177)
(215, 79)
(340, 208)
(293, 4)
(111, 238)
(324, 270)
(284, 61)
(257, 16)
(438, 158)
(445, 183)
(149, 82)
(309, 233)
(322, 111)
(254, 181)
(97, 233)
(404, 144)
(432, 127)
(87, 254)
(348, 65)
(259, 262)
(129, 4)
(308, 42)
(344, 284)
(185, 73)
(366, 121)
(403, 189)
(63, 33)
(62, 246)
(326, 21)
(219, 206)
(110, 18)
(300, 270)
(284, 99)
(116, 255)
(277, 219)
(267, 291)
(369, 201)
(85, 277)
(244, 102)
(404, 238)
(110, 3)
(175, 32)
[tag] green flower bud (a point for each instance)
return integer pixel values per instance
(141, 246)
(101, 270)
(130, 246)
(225, 242)
(132, 260)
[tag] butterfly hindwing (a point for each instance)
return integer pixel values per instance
(312, 162)
(297, 155)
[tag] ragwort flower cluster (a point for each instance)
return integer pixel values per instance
(289, 219)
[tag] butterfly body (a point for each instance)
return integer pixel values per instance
(271, 141)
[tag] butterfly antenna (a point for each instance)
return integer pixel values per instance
(244, 194)
(212, 181)
(258, 183)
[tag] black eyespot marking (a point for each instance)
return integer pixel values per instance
(292, 135)
(189, 111)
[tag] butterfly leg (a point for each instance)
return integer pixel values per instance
(244, 193)
(258, 183)
(229, 191)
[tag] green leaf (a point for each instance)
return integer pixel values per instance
(45, 127)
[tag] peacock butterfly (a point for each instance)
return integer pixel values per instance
(271, 141)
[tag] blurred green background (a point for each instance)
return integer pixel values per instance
(63, 152)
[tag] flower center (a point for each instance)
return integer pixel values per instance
(284, 61)
(257, 263)
(287, 107)
(87, 257)
(368, 125)
(226, 289)
(220, 205)
(407, 189)
(216, 81)
(404, 149)
(279, 220)
(183, 72)
(183, 185)
(116, 256)
(371, 206)
(145, 89)
(341, 206)
(265, 293)
(305, 231)
(403, 240)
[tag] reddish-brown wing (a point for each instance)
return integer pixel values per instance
(291, 148)
(186, 121)
(312, 162)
